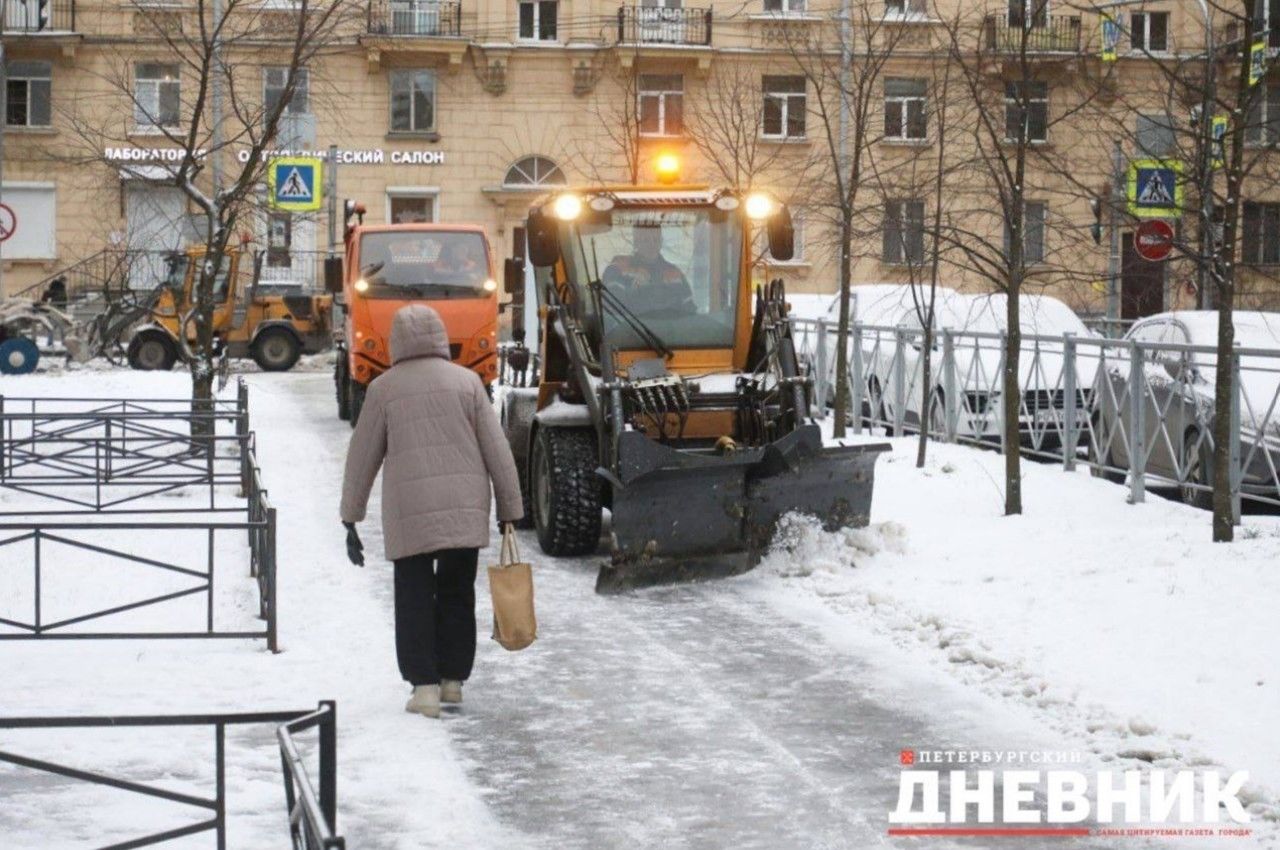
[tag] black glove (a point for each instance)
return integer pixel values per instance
(355, 549)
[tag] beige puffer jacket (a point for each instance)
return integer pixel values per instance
(430, 426)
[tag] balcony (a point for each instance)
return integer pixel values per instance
(656, 26)
(1043, 34)
(22, 17)
(421, 18)
(432, 29)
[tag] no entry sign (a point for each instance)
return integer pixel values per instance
(1153, 240)
(8, 221)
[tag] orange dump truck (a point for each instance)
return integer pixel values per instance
(389, 266)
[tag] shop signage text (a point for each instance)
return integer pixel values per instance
(368, 156)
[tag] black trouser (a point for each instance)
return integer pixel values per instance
(436, 615)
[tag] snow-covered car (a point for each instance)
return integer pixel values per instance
(1178, 402)
(978, 359)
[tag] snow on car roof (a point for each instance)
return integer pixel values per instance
(1254, 329)
(1038, 314)
(870, 303)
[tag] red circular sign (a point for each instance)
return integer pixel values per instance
(8, 221)
(1153, 240)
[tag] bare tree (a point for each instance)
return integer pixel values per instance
(1197, 91)
(217, 126)
(726, 126)
(998, 65)
(843, 61)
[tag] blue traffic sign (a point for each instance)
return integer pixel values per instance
(294, 182)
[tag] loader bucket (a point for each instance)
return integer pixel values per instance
(683, 515)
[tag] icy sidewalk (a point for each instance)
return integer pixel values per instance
(1121, 626)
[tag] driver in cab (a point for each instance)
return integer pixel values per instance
(648, 280)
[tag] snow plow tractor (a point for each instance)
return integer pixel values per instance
(669, 392)
(273, 328)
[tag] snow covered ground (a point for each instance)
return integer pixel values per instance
(763, 711)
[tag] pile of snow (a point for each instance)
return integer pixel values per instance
(1121, 627)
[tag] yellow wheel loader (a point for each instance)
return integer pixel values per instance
(274, 329)
(669, 391)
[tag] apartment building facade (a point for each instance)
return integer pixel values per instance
(466, 110)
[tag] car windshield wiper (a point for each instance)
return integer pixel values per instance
(610, 301)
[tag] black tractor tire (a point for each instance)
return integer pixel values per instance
(276, 350)
(355, 399)
(565, 491)
(152, 351)
(340, 380)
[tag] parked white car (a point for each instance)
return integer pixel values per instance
(1178, 402)
(896, 371)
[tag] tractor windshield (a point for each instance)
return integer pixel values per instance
(438, 264)
(669, 273)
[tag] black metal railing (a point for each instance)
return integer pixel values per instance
(105, 273)
(101, 483)
(124, 456)
(313, 815)
(23, 16)
(1003, 33)
(318, 818)
(429, 18)
(655, 25)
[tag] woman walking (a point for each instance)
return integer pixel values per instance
(429, 424)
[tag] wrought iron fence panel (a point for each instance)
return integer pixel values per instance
(318, 819)
(1136, 410)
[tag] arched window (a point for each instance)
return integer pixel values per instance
(534, 171)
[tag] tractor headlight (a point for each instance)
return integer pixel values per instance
(760, 205)
(567, 207)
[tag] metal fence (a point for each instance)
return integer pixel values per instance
(661, 25)
(1137, 411)
(312, 816)
(109, 466)
(426, 18)
(126, 455)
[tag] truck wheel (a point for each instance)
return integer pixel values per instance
(355, 399)
(276, 350)
(152, 351)
(340, 380)
(565, 491)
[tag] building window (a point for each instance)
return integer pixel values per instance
(1260, 236)
(904, 109)
(903, 232)
(157, 95)
(661, 104)
(29, 94)
(905, 8)
(1263, 124)
(1033, 213)
(538, 20)
(411, 208)
(273, 82)
(1267, 19)
(1030, 14)
(413, 101)
(1149, 31)
(1035, 120)
(34, 206)
(784, 107)
(534, 171)
(785, 7)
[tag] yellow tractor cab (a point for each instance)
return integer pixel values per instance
(670, 392)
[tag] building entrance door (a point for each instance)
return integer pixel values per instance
(156, 218)
(1141, 282)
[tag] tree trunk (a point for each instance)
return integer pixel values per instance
(926, 386)
(842, 332)
(1011, 403)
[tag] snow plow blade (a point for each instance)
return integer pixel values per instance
(684, 515)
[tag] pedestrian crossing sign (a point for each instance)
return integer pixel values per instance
(295, 184)
(1155, 188)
